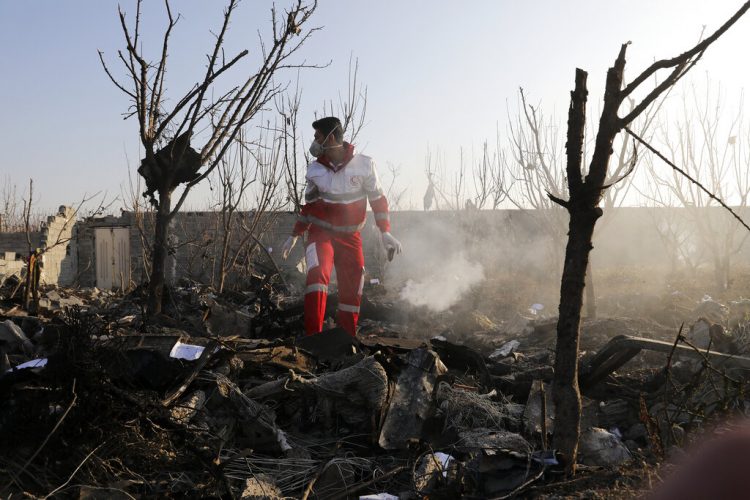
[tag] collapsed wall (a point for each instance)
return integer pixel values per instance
(55, 240)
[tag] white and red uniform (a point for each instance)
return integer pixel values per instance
(334, 213)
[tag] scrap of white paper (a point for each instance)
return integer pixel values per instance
(186, 351)
(34, 363)
(379, 496)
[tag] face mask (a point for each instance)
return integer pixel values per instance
(317, 149)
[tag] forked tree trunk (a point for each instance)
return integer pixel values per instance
(565, 392)
(582, 206)
(584, 212)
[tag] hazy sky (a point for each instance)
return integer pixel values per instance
(440, 74)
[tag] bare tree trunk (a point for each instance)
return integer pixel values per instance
(721, 273)
(565, 392)
(160, 251)
(223, 268)
(590, 297)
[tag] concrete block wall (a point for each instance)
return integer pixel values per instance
(198, 239)
(502, 240)
(16, 242)
(60, 262)
(14, 247)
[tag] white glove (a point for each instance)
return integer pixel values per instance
(390, 242)
(288, 245)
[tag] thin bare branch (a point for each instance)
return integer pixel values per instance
(687, 176)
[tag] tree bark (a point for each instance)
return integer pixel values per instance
(590, 297)
(565, 392)
(160, 251)
(584, 212)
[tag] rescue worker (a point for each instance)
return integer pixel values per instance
(339, 181)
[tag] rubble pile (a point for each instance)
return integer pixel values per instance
(223, 397)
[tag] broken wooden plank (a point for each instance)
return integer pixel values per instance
(623, 348)
(281, 356)
(211, 349)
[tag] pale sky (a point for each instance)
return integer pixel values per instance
(439, 74)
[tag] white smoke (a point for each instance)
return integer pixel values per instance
(443, 287)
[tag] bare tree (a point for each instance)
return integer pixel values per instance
(533, 163)
(166, 134)
(13, 216)
(235, 177)
(585, 194)
(709, 146)
(449, 192)
(492, 181)
(256, 165)
(351, 110)
(10, 219)
(295, 158)
(142, 214)
(395, 197)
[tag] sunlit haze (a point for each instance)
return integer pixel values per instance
(440, 76)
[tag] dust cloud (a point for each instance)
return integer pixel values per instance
(446, 285)
(438, 266)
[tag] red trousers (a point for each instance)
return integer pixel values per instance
(324, 250)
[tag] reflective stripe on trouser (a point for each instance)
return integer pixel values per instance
(327, 249)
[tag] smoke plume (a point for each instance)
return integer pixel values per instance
(445, 286)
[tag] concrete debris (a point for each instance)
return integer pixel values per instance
(223, 320)
(505, 351)
(13, 340)
(223, 395)
(711, 310)
(433, 472)
(412, 401)
(490, 440)
(184, 411)
(600, 447)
